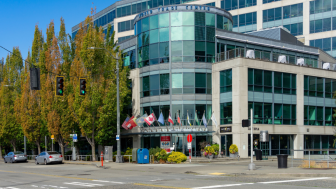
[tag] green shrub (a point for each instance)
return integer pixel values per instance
(209, 150)
(68, 153)
(155, 152)
(128, 152)
(215, 147)
(162, 155)
(177, 157)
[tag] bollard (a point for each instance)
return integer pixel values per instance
(101, 158)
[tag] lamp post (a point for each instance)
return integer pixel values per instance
(251, 166)
(118, 157)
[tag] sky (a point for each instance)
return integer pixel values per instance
(19, 17)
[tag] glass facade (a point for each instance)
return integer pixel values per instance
(225, 81)
(192, 36)
(126, 26)
(226, 113)
(154, 85)
(191, 83)
(268, 81)
(105, 19)
(237, 4)
(322, 25)
(211, 4)
(283, 114)
(269, 1)
(181, 110)
(129, 58)
(319, 87)
(278, 144)
(319, 115)
(319, 6)
(120, 39)
(319, 142)
(248, 20)
(283, 16)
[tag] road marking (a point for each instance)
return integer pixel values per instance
(47, 175)
(298, 180)
(217, 173)
(83, 184)
(221, 186)
(159, 186)
(108, 181)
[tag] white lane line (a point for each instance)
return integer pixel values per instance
(221, 186)
(83, 184)
(12, 188)
(108, 181)
(298, 180)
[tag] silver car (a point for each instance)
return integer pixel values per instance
(48, 157)
(17, 156)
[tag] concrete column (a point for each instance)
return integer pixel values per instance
(306, 22)
(240, 107)
(136, 141)
(134, 76)
(300, 100)
(298, 145)
(218, 3)
(259, 14)
(215, 103)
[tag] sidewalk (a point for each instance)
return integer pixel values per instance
(226, 167)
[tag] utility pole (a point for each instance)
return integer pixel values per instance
(251, 165)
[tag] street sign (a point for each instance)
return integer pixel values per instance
(189, 145)
(52, 136)
(117, 137)
(71, 135)
(189, 138)
(74, 137)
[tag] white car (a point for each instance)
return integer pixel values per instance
(48, 157)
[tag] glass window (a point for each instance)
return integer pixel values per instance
(164, 34)
(188, 48)
(176, 18)
(210, 19)
(188, 33)
(164, 84)
(164, 49)
(226, 113)
(154, 36)
(199, 48)
(154, 50)
(199, 33)
(163, 20)
(220, 21)
(200, 83)
(326, 23)
(270, 15)
(277, 14)
(177, 80)
(188, 83)
(199, 18)
(154, 85)
(226, 81)
(278, 114)
(242, 20)
(145, 24)
(267, 113)
(188, 18)
(154, 22)
(176, 33)
(176, 49)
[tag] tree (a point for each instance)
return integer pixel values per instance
(97, 108)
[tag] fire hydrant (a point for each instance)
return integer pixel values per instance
(101, 157)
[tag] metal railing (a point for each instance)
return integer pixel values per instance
(313, 158)
(31, 157)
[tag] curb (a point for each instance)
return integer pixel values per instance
(283, 174)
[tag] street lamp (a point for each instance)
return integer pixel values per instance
(118, 157)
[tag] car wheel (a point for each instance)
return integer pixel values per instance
(36, 162)
(5, 160)
(45, 162)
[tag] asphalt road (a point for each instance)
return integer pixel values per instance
(29, 175)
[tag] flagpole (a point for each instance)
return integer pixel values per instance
(202, 118)
(195, 117)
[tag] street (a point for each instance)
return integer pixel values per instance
(198, 175)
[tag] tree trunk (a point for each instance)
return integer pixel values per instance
(38, 147)
(14, 147)
(93, 147)
(0, 152)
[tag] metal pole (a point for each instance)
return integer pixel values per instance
(52, 144)
(328, 158)
(309, 158)
(251, 165)
(118, 158)
(25, 145)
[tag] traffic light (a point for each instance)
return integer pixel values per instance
(82, 89)
(59, 86)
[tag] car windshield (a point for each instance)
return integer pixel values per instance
(51, 153)
(18, 152)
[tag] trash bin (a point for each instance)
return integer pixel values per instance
(258, 154)
(282, 160)
(143, 155)
(134, 154)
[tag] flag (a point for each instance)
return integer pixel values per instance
(141, 120)
(150, 119)
(213, 118)
(178, 119)
(196, 118)
(124, 124)
(161, 119)
(204, 120)
(188, 118)
(131, 123)
(170, 119)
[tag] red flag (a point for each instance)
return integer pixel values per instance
(128, 122)
(170, 119)
(124, 124)
(150, 119)
(178, 119)
(132, 123)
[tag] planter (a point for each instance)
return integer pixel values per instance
(234, 155)
(210, 156)
(215, 156)
(162, 161)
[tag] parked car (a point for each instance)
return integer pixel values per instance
(17, 156)
(48, 157)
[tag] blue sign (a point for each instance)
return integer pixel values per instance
(117, 137)
(74, 137)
